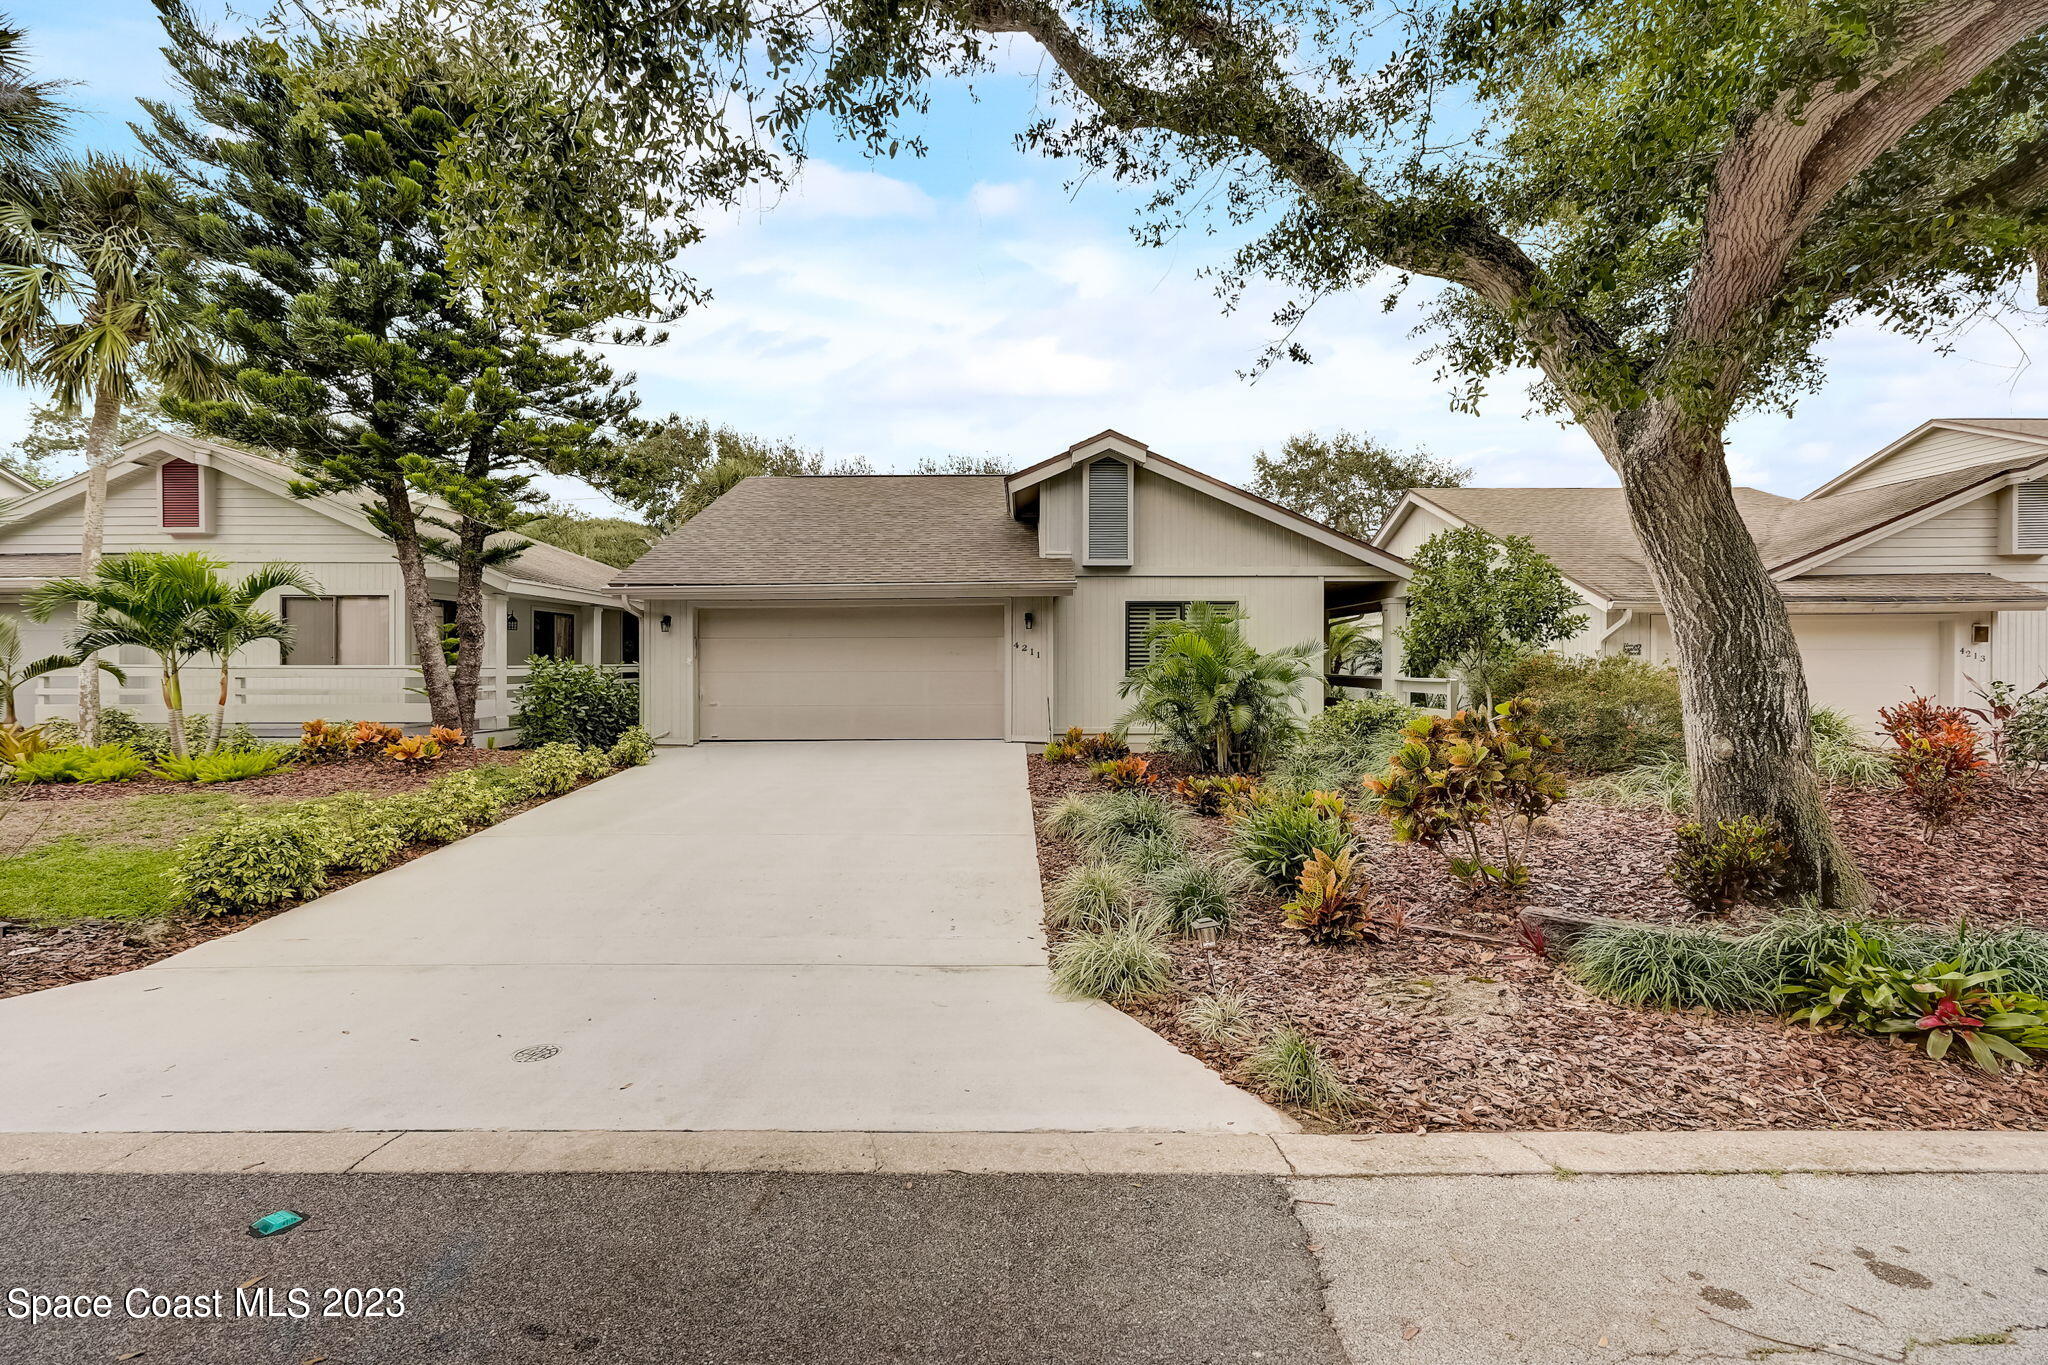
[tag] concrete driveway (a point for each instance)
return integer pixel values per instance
(742, 936)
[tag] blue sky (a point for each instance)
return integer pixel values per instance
(969, 302)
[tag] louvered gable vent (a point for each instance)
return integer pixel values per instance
(1109, 512)
(2030, 518)
(178, 489)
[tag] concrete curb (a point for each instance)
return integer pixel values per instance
(1298, 1155)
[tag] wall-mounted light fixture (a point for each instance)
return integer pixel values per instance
(1029, 620)
(664, 625)
(1980, 633)
(511, 621)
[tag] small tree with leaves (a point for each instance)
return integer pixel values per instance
(1348, 479)
(1476, 600)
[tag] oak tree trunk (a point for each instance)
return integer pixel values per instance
(422, 612)
(99, 448)
(1748, 733)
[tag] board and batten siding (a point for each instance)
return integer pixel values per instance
(1938, 452)
(1279, 610)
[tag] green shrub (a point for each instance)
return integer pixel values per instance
(1274, 842)
(1674, 967)
(1473, 786)
(252, 859)
(549, 770)
(1739, 862)
(1839, 755)
(563, 701)
(1195, 889)
(1289, 1068)
(634, 749)
(1224, 1017)
(1123, 962)
(107, 763)
(1094, 896)
(225, 766)
(358, 833)
(450, 807)
(153, 742)
(1609, 711)
(1344, 742)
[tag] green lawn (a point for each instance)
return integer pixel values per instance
(98, 859)
(69, 879)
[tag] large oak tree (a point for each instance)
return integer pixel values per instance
(1660, 205)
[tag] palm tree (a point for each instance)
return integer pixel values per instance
(160, 602)
(1210, 694)
(31, 116)
(14, 674)
(96, 296)
(237, 623)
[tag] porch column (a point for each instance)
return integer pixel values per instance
(497, 710)
(589, 634)
(1393, 620)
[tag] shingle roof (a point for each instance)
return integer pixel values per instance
(1586, 531)
(1907, 588)
(851, 530)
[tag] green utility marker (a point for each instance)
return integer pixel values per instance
(272, 1223)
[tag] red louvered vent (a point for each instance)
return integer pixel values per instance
(179, 482)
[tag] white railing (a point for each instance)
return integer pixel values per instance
(290, 694)
(1405, 688)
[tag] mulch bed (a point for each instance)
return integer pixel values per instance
(1446, 1034)
(34, 957)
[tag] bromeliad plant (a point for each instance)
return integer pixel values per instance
(1943, 1003)
(1475, 784)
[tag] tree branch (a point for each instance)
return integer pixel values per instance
(1574, 352)
(1782, 171)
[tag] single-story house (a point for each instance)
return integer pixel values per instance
(351, 656)
(979, 606)
(1922, 568)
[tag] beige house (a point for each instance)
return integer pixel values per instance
(1922, 568)
(352, 655)
(967, 606)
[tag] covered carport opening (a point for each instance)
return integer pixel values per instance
(893, 670)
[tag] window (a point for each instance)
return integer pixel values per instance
(629, 639)
(179, 504)
(2026, 530)
(554, 634)
(1140, 617)
(338, 630)
(1107, 512)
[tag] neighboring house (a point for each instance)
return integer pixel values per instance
(1920, 569)
(967, 606)
(351, 656)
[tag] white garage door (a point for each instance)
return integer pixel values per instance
(1860, 663)
(896, 672)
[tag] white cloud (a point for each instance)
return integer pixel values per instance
(990, 199)
(828, 191)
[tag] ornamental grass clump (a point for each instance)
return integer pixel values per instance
(1275, 842)
(1289, 1068)
(1107, 823)
(1123, 962)
(1153, 852)
(1094, 896)
(1221, 1017)
(1674, 967)
(1196, 889)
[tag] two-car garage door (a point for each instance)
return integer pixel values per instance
(883, 672)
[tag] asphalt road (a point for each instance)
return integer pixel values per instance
(734, 1269)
